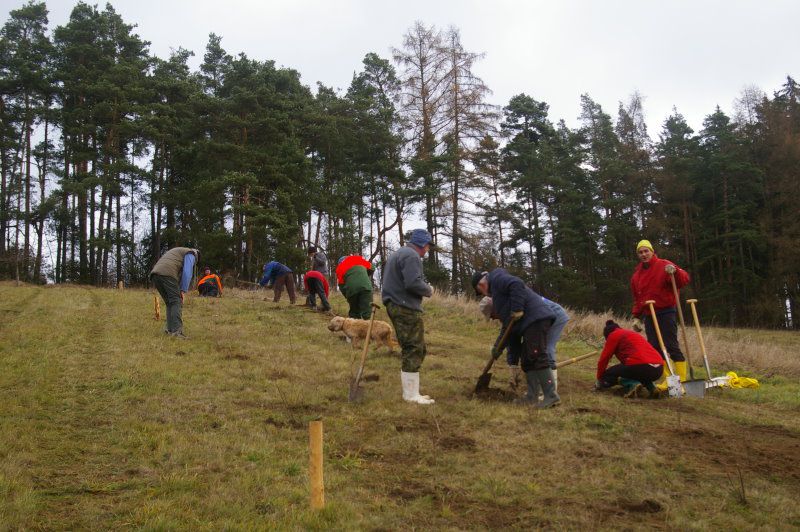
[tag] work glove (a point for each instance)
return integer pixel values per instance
(517, 315)
(670, 269)
(637, 325)
(496, 352)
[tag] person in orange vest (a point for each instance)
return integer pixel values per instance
(210, 284)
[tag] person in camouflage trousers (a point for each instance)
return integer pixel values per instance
(403, 289)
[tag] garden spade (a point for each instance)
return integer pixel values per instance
(673, 381)
(486, 377)
(355, 391)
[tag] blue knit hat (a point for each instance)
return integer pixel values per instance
(420, 238)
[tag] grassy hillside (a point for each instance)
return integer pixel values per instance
(105, 423)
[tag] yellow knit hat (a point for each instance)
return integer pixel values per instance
(644, 244)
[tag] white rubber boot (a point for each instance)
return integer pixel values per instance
(411, 389)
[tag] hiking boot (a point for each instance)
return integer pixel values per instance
(545, 378)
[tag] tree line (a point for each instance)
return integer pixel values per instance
(110, 155)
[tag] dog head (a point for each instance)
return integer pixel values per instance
(336, 324)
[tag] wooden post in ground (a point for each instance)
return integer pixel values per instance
(315, 465)
(157, 307)
(121, 285)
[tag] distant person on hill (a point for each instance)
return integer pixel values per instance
(171, 276)
(640, 363)
(404, 286)
(316, 285)
(319, 261)
(352, 276)
(527, 341)
(651, 280)
(277, 276)
(210, 284)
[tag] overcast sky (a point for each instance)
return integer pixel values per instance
(690, 54)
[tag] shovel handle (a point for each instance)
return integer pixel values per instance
(366, 343)
(700, 337)
(501, 345)
(575, 359)
(667, 360)
(682, 323)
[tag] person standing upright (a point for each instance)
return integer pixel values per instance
(171, 276)
(404, 286)
(651, 281)
(319, 261)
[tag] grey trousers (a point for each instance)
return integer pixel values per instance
(171, 294)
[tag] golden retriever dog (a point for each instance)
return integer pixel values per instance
(356, 331)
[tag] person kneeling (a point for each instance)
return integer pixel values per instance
(641, 365)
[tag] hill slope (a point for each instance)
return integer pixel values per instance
(106, 423)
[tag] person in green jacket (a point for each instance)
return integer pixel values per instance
(352, 276)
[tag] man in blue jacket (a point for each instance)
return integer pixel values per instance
(512, 299)
(277, 276)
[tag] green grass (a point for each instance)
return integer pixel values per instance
(105, 423)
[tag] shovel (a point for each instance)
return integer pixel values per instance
(711, 382)
(355, 391)
(673, 381)
(486, 377)
(693, 387)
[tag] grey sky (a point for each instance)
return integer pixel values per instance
(689, 54)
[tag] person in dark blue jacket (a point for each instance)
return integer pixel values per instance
(277, 275)
(512, 299)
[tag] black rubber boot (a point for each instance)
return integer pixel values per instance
(545, 378)
(532, 397)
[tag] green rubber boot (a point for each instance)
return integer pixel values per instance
(532, 397)
(631, 387)
(546, 381)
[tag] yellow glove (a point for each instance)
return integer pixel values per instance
(517, 315)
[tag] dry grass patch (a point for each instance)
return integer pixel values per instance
(106, 423)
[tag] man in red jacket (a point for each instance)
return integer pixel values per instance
(641, 364)
(316, 285)
(651, 280)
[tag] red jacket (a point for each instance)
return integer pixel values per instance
(313, 274)
(654, 283)
(349, 262)
(631, 349)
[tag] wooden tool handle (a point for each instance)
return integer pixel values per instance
(575, 359)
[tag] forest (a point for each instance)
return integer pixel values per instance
(110, 155)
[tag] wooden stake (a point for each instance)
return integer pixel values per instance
(157, 307)
(315, 465)
(121, 285)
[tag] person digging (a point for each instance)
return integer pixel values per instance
(513, 300)
(355, 284)
(651, 281)
(171, 276)
(640, 364)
